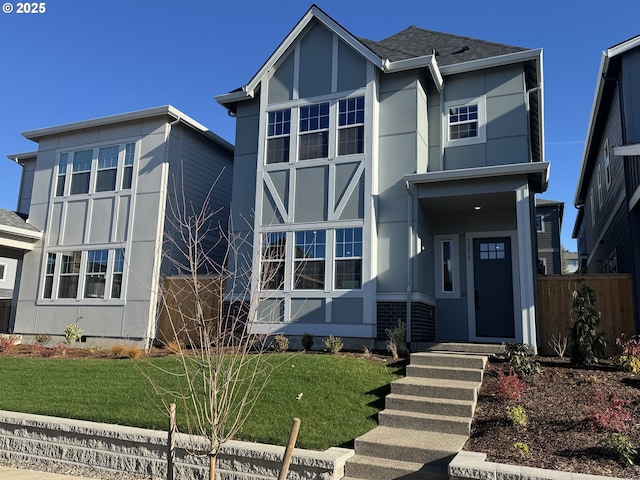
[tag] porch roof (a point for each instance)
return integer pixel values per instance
(16, 232)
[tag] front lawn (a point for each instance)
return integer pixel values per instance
(340, 395)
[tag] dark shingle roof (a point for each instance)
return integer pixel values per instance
(450, 49)
(15, 220)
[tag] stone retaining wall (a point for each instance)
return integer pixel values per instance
(136, 450)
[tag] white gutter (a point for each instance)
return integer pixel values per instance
(20, 232)
(426, 61)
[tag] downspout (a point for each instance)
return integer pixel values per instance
(527, 99)
(410, 249)
(153, 313)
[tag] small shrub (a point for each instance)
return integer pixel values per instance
(333, 344)
(523, 449)
(117, 350)
(8, 341)
(39, 349)
(520, 359)
(43, 338)
(72, 332)
(629, 358)
(280, 343)
(307, 341)
(133, 352)
(559, 345)
(621, 446)
(518, 415)
(366, 353)
(59, 350)
(587, 344)
(397, 340)
(510, 387)
(611, 413)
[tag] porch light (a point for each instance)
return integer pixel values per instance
(477, 208)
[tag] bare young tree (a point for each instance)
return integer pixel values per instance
(212, 314)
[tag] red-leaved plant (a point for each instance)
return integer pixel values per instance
(510, 387)
(610, 413)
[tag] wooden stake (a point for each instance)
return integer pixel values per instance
(171, 442)
(288, 453)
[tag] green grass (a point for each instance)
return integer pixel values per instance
(341, 395)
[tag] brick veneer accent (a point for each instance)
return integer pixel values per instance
(423, 319)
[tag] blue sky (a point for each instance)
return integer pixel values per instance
(82, 60)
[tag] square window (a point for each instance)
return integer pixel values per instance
(465, 122)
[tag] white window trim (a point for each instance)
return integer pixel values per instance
(3, 271)
(542, 230)
(607, 163)
(599, 183)
(482, 122)
(439, 272)
(79, 298)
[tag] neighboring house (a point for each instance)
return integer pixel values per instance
(7, 280)
(548, 227)
(391, 181)
(607, 226)
(572, 263)
(99, 193)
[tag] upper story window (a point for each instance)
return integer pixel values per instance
(3, 269)
(607, 163)
(465, 122)
(599, 180)
(539, 223)
(95, 170)
(314, 131)
(278, 136)
(351, 126)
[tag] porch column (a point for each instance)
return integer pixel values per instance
(527, 329)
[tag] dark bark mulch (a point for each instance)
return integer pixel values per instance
(560, 404)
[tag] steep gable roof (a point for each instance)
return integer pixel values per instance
(450, 49)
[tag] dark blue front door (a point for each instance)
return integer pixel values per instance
(493, 285)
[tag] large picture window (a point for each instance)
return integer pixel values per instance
(63, 278)
(348, 255)
(278, 136)
(351, 126)
(314, 131)
(309, 260)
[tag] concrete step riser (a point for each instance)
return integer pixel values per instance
(423, 371)
(363, 470)
(453, 393)
(454, 425)
(419, 405)
(403, 454)
(447, 360)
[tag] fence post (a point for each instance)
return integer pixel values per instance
(171, 442)
(288, 453)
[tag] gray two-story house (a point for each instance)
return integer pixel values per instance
(548, 227)
(608, 192)
(391, 181)
(100, 194)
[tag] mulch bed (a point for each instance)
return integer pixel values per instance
(561, 404)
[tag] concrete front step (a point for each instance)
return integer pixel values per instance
(438, 406)
(451, 373)
(458, 347)
(370, 468)
(436, 387)
(413, 446)
(449, 360)
(425, 421)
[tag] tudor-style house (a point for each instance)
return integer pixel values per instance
(391, 181)
(608, 192)
(98, 194)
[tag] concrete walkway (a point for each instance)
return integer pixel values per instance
(7, 473)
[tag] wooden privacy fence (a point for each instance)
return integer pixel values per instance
(179, 307)
(614, 300)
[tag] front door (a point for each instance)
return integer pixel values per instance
(493, 285)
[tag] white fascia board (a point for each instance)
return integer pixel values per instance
(483, 63)
(624, 46)
(595, 106)
(35, 135)
(314, 12)
(426, 61)
(19, 232)
(627, 150)
(17, 157)
(481, 172)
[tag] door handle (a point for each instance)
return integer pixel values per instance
(476, 297)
